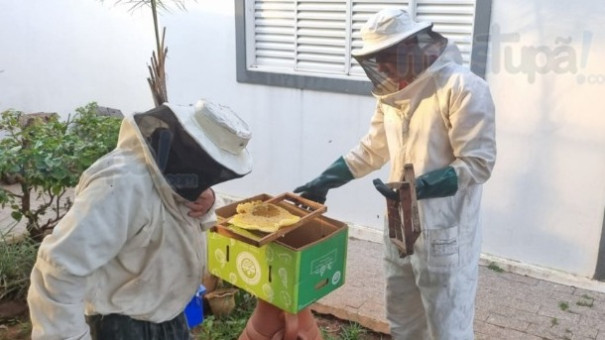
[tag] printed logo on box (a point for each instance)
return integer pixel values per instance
(336, 277)
(248, 268)
(324, 263)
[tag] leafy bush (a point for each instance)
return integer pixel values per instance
(46, 157)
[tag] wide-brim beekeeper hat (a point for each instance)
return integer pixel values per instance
(219, 131)
(387, 28)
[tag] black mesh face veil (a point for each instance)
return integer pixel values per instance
(186, 165)
(393, 68)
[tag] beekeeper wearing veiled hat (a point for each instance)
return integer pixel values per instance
(434, 113)
(129, 255)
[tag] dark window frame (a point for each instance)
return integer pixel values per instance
(478, 58)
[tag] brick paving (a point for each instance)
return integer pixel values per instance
(509, 306)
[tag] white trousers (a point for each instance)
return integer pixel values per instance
(431, 294)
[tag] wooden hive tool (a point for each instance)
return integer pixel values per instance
(402, 210)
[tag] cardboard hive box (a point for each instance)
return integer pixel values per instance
(291, 272)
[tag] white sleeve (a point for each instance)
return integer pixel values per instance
(56, 304)
(472, 133)
(103, 217)
(372, 152)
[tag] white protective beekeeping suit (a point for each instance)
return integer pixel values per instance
(128, 246)
(443, 118)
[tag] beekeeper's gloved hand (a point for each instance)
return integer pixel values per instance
(334, 176)
(437, 183)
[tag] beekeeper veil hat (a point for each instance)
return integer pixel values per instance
(196, 146)
(386, 28)
(396, 49)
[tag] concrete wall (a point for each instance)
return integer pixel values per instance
(543, 206)
(59, 55)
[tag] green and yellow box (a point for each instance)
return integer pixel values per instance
(290, 272)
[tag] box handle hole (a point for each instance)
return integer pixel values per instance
(321, 284)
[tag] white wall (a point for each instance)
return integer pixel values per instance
(60, 55)
(543, 206)
(545, 202)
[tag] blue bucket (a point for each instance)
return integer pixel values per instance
(194, 312)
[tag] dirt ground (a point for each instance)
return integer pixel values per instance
(337, 329)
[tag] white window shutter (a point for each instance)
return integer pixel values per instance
(316, 37)
(321, 28)
(452, 18)
(273, 30)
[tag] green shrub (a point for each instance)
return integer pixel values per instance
(98, 134)
(46, 157)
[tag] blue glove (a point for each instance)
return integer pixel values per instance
(334, 176)
(437, 183)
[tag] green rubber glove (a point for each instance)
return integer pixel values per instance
(437, 183)
(334, 176)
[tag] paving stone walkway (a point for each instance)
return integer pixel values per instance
(509, 306)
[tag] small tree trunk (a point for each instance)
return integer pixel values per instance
(32, 228)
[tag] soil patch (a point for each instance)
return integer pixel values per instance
(12, 309)
(338, 329)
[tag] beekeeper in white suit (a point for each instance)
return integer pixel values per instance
(434, 113)
(129, 255)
